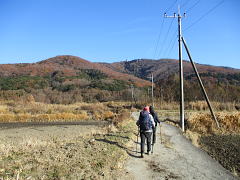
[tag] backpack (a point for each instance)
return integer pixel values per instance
(144, 121)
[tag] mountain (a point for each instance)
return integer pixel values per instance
(70, 79)
(68, 66)
(163, 68)
(221, 83)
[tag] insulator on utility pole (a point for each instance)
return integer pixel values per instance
(180, 64)
(180, 40)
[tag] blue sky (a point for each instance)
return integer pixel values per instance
(116, 30)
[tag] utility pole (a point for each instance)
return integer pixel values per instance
(180, 63)
(132, 92)
(133, 95)
(152, 90)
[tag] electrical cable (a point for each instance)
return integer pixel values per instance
(171, 49)
(161, 29)
(185, 3)
(204, 15)
(170, 7)
(166, 35)
(172, 43)
(158, 39)
(189, 9)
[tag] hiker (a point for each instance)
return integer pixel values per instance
(156, 120)
(146, 124)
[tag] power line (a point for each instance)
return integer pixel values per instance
(171, 49)
(166, 35)
(189, 9)
(204, 15)
(170, 7)
(172, 43)
(158, 39)
(187, 1)
(161, 28)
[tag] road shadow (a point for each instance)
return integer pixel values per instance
(172, 121)
(111, 135)
(178, 123)
(132, 153)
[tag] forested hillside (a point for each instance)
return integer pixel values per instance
(70, 79)
(165, 67)
(222, 83)
(66, 79)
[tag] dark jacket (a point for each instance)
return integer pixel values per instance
(155, 116)
(141, 117)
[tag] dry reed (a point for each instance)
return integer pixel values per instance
(204, 124)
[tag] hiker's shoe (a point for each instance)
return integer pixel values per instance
(148, 152)
(141, 155)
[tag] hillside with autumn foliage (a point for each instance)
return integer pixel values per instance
(164, 68)
(66, 79)
(68, 66)
(70, 79)
(221, 83)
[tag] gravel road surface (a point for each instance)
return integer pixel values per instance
(175, 158)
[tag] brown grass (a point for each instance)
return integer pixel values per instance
(26, 117)
(67, 156)
(39, 112)
(204, 124)
(219, 106)
(30, 111)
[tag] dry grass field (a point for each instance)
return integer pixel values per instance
(11, 111)
(94, 152)
(64, 152)
(222, 143)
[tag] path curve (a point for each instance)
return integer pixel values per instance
(175, 158)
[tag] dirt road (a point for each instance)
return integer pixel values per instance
(175, 158)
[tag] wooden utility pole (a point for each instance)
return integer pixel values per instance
(180, 64)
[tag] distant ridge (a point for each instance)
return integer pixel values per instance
(135, 71)
(163, 68)
(68, 65)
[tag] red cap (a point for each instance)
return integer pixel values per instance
(146, 108)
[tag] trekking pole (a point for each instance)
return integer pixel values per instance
(137, 140)
(152, 140)
(152, 148)
(160, 132)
